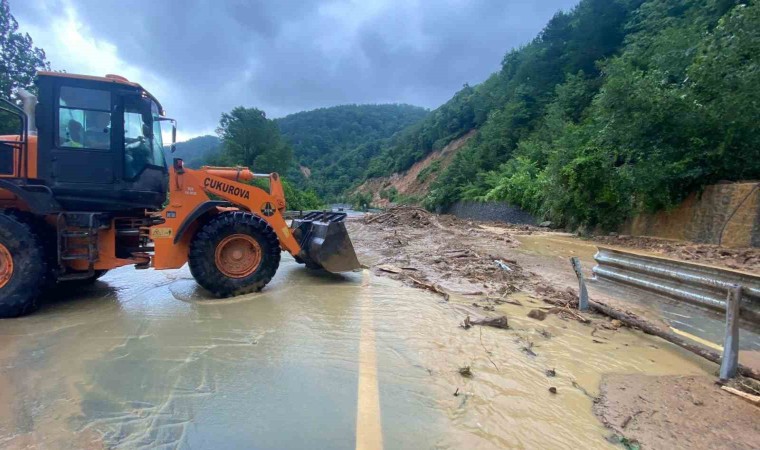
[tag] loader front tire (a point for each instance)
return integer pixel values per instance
(234, 253)
(23, 267)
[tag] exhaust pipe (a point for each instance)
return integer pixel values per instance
(28, 104)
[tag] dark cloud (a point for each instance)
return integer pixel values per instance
(289, 55)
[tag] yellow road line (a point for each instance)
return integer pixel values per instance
(698, 339)
(369, 432)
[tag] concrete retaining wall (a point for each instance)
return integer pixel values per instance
(494, 211)
(704, 218)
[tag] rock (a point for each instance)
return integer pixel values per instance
(496, 322)
(553, 390)
(465, 371)
(616, 323)
(546, 224)
(551, 373)
(537, 314)
(613, 234)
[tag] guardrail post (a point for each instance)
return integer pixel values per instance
(583, 292)
(730, 360)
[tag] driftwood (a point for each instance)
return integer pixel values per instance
(565, 310)
(649, 328)
(390, 269)
(430, 287)
(754, 399)
(496, 322)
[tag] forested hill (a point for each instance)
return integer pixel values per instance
(616, 107)
(197, 150)
(332, 147)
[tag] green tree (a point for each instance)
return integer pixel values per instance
(250, 139)
(19, 62)
(19, 58)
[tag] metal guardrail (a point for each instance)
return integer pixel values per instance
(694, 283)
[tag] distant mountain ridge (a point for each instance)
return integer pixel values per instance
(332, 146)
(195, 151)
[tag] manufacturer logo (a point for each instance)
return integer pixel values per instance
(226, 188)
(268, 210)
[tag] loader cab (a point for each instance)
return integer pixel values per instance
(99, 143)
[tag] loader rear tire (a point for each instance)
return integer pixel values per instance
(23, 267)
(234, 253)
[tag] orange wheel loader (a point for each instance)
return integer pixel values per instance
(85, 188)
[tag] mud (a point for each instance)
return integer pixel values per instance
(652, 410)
(460, 257)
(746, 259)
(147, 359)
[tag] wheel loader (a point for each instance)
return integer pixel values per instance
(85, 188)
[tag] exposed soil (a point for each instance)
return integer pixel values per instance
(677, 412)
(746, 259)
(411, 183)
(447, 255)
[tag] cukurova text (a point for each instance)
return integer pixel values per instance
(226, 188)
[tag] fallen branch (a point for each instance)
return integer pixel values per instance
(570, 312)
(430, 287)
(649, 328)
(390, 269)
(754, 399)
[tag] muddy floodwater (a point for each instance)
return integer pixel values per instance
(144, 359)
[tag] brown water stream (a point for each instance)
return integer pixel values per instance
(144, 359)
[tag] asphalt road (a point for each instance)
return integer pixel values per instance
(144, 359)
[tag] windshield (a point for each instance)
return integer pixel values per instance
(143, 145)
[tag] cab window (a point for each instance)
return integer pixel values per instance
(138, 141)
(84, 118)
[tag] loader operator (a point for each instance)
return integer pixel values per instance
(74, 133)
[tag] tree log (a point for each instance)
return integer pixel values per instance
(649, 328)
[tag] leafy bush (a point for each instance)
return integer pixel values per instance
(425, 173)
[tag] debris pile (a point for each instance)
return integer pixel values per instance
(397, 216)
(747, 259)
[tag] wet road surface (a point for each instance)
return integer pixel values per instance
(702, 325)
(144, 359)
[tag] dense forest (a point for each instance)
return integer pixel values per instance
(618, 106)
(331, 147)
(334, 146)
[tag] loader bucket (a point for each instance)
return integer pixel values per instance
(324, 242)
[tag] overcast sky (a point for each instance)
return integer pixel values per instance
(203, 57)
